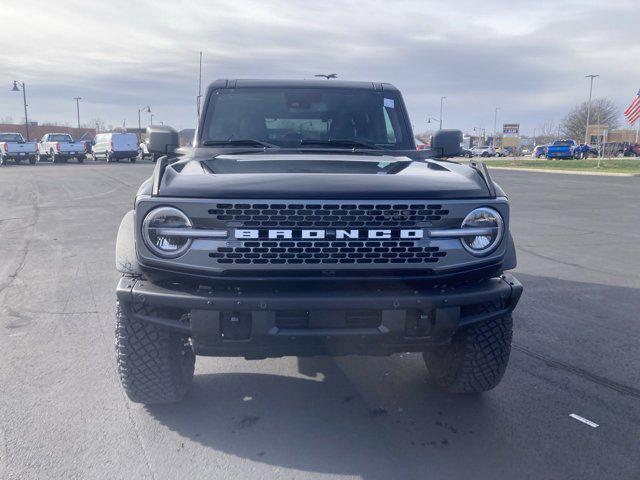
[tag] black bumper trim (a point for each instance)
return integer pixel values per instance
(142, 300)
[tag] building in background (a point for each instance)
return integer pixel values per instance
(596, 134)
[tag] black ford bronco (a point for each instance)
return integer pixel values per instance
(303, 221)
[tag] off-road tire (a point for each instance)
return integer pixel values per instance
(475, 360)
(155, 365)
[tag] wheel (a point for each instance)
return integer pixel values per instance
(155, 365)
(475, 360)
(53, 158)
(132, 159)
(80, 159)
(32, 160)
(107, 157)
(2, 160)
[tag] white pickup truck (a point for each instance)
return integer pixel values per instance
(14, 147)
(60, 147)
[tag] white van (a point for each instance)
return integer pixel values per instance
(114, 146)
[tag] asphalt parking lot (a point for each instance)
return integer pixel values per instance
(64, 415)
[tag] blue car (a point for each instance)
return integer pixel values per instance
(561, 149)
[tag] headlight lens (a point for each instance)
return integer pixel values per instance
(161, 244)
(486, 219)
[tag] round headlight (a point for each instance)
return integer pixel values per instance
(156, 231)
(487, 227)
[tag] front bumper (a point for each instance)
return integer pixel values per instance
(118, 155)
(258, 320)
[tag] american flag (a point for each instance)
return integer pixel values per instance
(633, 112)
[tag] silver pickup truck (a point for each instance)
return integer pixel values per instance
(60, 147)
(14, 147)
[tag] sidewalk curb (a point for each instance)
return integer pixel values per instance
(566, 172)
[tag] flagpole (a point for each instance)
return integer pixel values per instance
(638, 130)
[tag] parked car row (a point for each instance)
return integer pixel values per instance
(61, 147)
(570, 149)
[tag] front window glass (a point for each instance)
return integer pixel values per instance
(291, 117)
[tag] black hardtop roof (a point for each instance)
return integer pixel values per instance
(312, 83)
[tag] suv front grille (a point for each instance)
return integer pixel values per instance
(323, 215)
(328, 252)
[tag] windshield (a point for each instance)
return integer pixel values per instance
(562, 143)
(11, 137)
(60, 138)
(290, 117)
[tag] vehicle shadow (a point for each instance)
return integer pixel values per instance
(378, 418)
(317, 424)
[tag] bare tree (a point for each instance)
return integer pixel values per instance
(603, 112)
(546, 132)
(8, 120)
(99, 124)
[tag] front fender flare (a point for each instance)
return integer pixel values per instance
(126, 258)
(510, 260)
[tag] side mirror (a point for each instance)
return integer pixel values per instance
(162, 139)
(446, 143)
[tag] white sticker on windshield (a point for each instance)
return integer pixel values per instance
(388, 102)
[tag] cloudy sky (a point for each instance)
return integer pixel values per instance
(527, 58)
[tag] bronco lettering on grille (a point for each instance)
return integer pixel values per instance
(338, 234)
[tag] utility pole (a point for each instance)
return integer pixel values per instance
(199, 99)
(586, 131)
(77, 99)
(495, 125)
(441, 100)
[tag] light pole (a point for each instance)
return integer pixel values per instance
(152, 119)
(24, 99)
(199, 87)
(77, 99)
(495, 125)
(586, 130)
(441, 101)
(142, 109)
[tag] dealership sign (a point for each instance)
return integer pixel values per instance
(511, 129)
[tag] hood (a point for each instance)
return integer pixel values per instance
(320, 175)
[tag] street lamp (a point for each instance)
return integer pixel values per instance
(495, 125)
(77, 99)
(441, 101)
(586, 130)
(24, 98)
(142, 109)
(152, 119)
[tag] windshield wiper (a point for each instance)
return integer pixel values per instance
(239, 142)
(342, 142)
